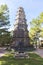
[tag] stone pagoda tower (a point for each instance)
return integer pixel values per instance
(20, 33)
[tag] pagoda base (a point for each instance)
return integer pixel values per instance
(21, 55)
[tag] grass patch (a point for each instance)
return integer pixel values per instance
(34, 59)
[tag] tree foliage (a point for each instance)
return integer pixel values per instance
(4, 24)
(36, 29)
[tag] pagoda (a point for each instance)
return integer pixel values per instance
(20, 33)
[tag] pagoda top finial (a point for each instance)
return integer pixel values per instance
(20, 8)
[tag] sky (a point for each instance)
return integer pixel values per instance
(32, 9)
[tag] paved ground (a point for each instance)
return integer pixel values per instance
(2, 54)
(2, 51)
(39, 52)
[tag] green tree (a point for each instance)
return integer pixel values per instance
(4, 24)
(36, 28)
